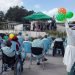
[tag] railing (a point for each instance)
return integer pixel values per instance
(31, 33)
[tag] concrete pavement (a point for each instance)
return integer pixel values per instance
(54, 66)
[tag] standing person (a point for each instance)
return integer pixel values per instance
(15, 45)
(53, 24)
(20, 39)
(46, 44)
(50, 40)
(26, 48)
(28, 37)
(69, 57)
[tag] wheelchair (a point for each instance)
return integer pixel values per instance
(15, 63)
(58, 46)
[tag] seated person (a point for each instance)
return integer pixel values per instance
(37, 43)
(7, 50)
(8, 54)
(58, 44)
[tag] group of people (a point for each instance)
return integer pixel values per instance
(18, 43)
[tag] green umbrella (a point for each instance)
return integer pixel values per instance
(38, 16)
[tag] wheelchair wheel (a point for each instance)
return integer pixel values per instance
(17, 69)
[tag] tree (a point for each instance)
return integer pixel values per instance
(17, 13)
(1, 16)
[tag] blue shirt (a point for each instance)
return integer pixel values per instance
(27, 46)
(20, 39)
(13, 46)
(46, 43)
(37, 43)
(8, 51)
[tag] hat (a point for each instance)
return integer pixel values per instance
(15, 38)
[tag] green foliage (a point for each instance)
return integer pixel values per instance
(17, 13)
(56, 33)
(1, 26)
(1, 16)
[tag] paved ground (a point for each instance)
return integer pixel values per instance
(53, 66)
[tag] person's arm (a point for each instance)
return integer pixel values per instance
(68, 29)
(66, 24)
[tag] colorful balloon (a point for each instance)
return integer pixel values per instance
(69, 14)
(60, 17)
(62, 10)
(11, 36)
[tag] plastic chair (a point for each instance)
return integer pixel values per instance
(37, 52)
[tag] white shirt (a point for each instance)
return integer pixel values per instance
(70, 35)
(57, 39)
(69, 57)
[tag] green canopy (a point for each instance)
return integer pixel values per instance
(38, 16)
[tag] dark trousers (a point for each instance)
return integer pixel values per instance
(55, 50)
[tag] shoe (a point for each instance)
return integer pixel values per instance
(45, 59)
(22, 69)
(5, 68)
(38, 63)
(12, 68)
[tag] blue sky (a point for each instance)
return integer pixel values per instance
(45, 5)
(49, 7)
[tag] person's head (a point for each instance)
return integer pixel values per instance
(26, 34)
(20, 33)
(8, 43)
(45, 36)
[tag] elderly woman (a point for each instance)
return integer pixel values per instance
(69, 57)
